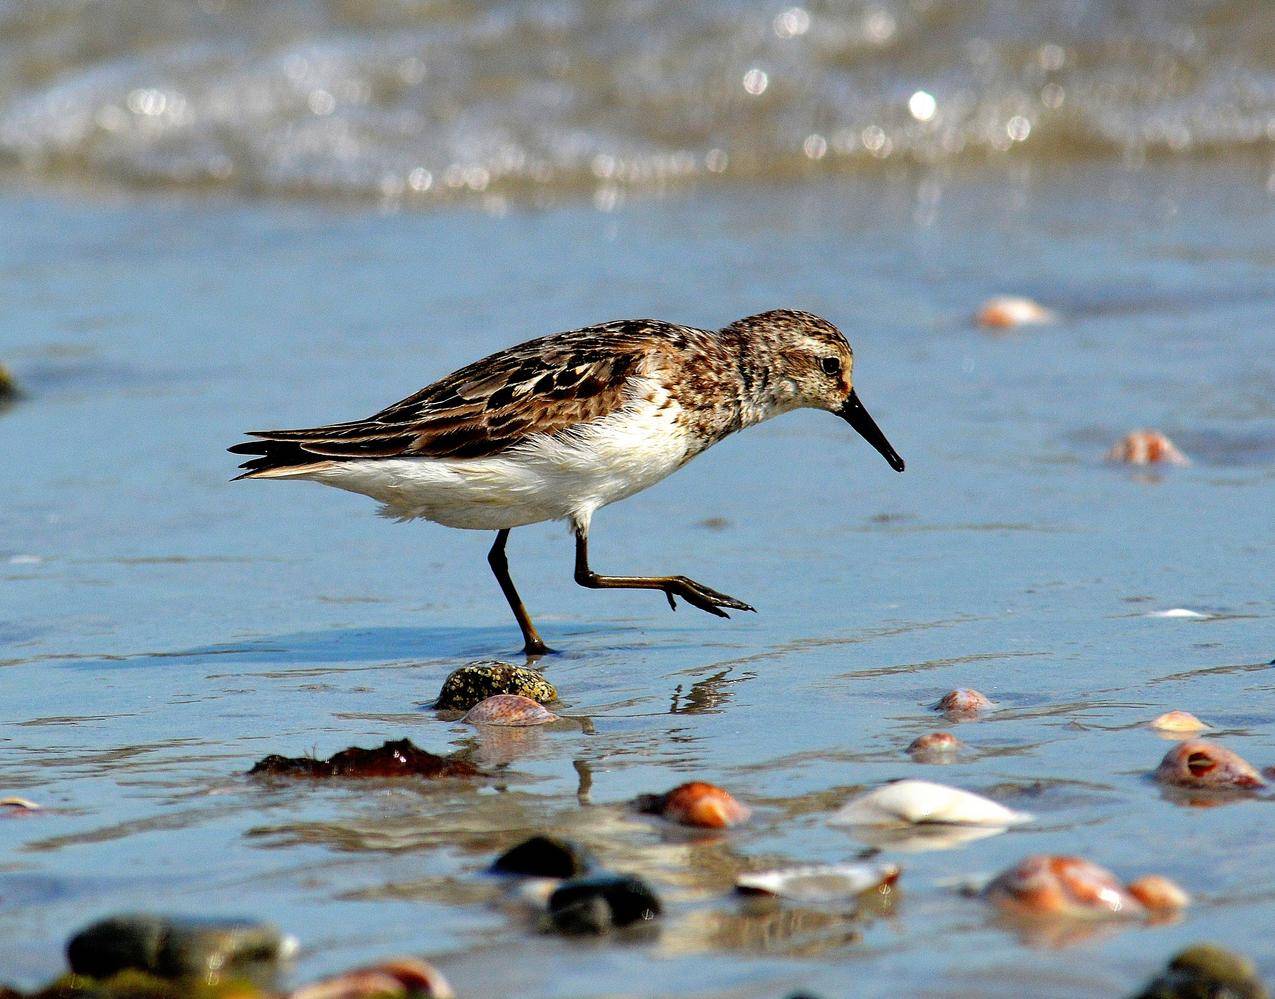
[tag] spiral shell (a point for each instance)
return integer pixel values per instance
(1005, 312)
(404, 976)
(512, 710)
(697, 804)
(934, 747)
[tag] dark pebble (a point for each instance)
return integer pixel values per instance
(598, 903)
(543, 857)
(174, 947)
(394, 759)
(478, 681)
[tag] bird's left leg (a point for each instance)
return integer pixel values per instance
(695, 594)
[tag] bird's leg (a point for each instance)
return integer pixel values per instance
(533, 644)
(695, 594)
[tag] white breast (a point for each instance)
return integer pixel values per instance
(546, 478)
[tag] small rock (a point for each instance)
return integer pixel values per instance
(511, 710)
(593, 905)
(695, 804)
(393, 759)
(175, 947)
(1146, 447)
(1159, 894)
(8, 387)
(478, 681)
(404, 977)
(543, 857)
(1206, 971)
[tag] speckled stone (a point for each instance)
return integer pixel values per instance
(1207, 971)
(478, 681)
(174, 947)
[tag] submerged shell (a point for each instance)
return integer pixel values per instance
(908, 802)
(819, 883)
(1178, 721)
(509, 709)
(1008, 311)
(19, 804)
(477, 681)
(1158, 894)
(1200, 764)
(1146, 447)
(1048, 885)
(697, 804)
(404, 976)
(934, 746)
(963, 703)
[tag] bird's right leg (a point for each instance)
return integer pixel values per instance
(695, 594)
(533, 644)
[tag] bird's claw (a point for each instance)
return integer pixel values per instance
(703, 597)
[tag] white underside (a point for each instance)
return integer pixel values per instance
(566, 477)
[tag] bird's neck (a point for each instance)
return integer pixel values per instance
(763, 393)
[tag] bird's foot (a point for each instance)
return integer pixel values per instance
(701, 596)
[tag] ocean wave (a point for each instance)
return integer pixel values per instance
(421, 100)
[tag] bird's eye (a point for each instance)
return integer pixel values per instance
(831, 365)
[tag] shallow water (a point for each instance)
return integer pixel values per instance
(162, 629)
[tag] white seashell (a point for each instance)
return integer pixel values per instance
(820, 882)
(920, 801)
(1178, 612)
(19, 804)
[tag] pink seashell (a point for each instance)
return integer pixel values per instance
(962, 703)
(1146, 447)
(1178, 721)
(1009, 311)
(404, 976)
(511, 710)
(1159, 894)
(934, 746)
(1047, 885)
(1200, 764)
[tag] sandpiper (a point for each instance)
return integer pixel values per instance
(558, 427)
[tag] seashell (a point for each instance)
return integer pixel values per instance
(962, 703)
(1048, 885)
(696, 804)
(1146, 447)
(820, 882)
(934, 746)
(1180, 612)
(1009, 311)
(920, 801)
(1178, 721)
(403, 976)
(1159, 894)
(1200, 764)
(509, 709)
(19, 804)
(477, 681)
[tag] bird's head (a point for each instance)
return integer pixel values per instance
(805, 362)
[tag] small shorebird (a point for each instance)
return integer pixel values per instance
(555, 428)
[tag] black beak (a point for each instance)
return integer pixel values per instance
(855, 415)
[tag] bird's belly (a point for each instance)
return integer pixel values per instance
(543, 479)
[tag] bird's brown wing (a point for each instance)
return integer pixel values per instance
(544, 386)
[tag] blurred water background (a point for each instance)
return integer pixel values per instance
(220, 216)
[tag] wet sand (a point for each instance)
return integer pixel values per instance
(163, 629)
